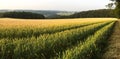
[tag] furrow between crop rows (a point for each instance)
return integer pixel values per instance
(46, 45)
(90, 47)
(29, 31)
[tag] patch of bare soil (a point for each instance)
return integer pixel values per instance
(113, 49)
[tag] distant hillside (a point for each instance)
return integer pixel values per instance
(94, 13)
(46, 13)
(101, 13)
(49, 14)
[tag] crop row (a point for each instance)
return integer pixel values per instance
(25, 32)
(47, 45)
(90, 47)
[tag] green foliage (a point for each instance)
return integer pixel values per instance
(24, 15)
(95, 14)
(117, 9)
(108, 13)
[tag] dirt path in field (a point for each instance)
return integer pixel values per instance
(113, 49)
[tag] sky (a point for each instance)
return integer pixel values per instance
(63, 5)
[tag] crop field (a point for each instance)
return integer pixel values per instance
(53, 39)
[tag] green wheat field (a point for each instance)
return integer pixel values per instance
(81, 38)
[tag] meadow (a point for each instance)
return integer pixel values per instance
(81, 38)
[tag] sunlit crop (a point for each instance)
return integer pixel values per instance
(52, 39)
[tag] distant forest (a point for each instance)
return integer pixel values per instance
(108, 13)
(92, 14)
(23, 15)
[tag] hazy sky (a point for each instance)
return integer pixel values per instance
(65, 5)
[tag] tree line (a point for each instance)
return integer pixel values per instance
(98, 13)
(23, 15)
(115, 3)
(108, 13)
(95, 14)
(101, 13)
(84, 14)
